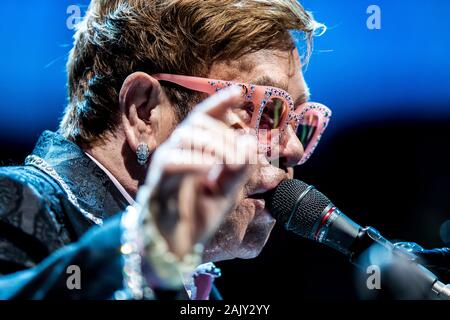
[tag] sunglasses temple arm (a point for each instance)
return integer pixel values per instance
(193, 83)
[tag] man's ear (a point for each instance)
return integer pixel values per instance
(139, 95)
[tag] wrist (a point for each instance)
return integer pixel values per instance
(170, 267)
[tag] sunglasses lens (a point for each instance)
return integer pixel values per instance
(273, 114)
(312, 120)
(271, 119)
(307, 129)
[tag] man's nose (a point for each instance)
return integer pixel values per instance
(291, 149)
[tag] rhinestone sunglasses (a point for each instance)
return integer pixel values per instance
(266, 109)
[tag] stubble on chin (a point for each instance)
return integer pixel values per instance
(243, 234)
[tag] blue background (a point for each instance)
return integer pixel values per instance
(401, 69)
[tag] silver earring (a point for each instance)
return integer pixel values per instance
(142, 153)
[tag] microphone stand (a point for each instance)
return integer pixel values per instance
(369, 237)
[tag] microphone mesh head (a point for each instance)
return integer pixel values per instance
(297, 216)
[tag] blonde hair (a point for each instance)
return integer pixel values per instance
(119, 37)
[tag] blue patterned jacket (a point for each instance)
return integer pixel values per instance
(49, 208)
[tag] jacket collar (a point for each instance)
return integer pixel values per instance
(94, 191)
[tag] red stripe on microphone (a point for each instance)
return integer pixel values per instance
(323, 222)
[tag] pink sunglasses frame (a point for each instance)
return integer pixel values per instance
(261, 95)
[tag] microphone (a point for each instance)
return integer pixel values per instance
(302, 209)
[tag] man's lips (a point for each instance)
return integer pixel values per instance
(260, 205)
(257, 196)
(262, 215)
(259, 200)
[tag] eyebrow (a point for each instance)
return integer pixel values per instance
(269, 82)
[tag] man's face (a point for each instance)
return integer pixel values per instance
(246, 230)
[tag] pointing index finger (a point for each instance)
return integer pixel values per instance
(217, 105)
